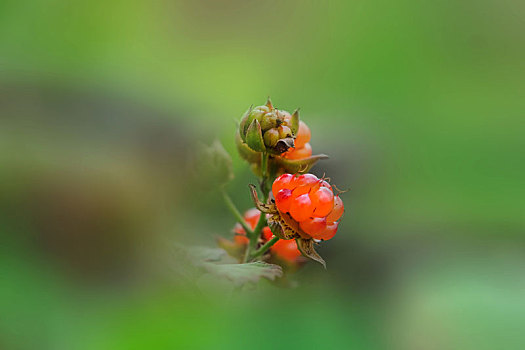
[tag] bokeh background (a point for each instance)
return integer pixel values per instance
(420, 105)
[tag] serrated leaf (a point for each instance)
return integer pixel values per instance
(295, 122)
(293, 166)
(306, 247)
(234, 250)
(200, 253)
(240, 274)
(254, 138)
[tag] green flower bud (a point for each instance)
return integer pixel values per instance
(267, 129)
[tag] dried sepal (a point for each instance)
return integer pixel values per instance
(306, 247)
(263, 207)
(282, 145)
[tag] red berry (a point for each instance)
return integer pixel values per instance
(304, 184)
(267, 233)
(286, 250)
(251, 216)
(329, 232)
(283, 181)
(337, 211)
(323, 200)
(241, 239)
(306, 179)
(303, 135)
(283, 200)
(313, 226)
(302, 207)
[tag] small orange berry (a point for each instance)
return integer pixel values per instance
(299, 153)
(286, 250)
(303, 135)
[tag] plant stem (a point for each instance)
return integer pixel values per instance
(254, 238)
(265, 247)
(236, 213)
(264, 171)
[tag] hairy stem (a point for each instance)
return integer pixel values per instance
(254, 238)
(236, 213)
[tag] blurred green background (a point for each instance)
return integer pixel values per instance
(420, 105)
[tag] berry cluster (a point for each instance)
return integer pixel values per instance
(302, 148)
(284, 249)
(311, 202)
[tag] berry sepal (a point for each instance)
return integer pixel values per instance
(306, 247)
(302, 166)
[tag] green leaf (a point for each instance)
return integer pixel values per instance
(254, 138)
(199, 253)
(299, 165)
(240, 274)
(306, 247)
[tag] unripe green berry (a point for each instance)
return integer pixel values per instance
(284, 132)
(268, 121)
(257, 114)
(271, 137)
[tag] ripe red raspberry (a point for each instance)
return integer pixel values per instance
(309, 201)
(284, 249)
